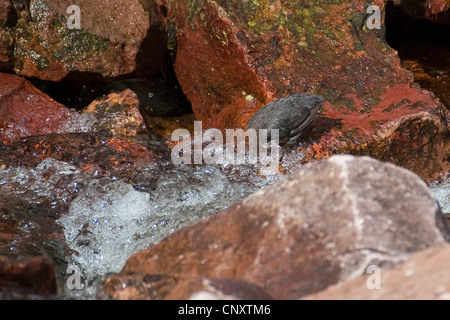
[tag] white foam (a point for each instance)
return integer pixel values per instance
(104, 225)
(108, 220)
(441, 193)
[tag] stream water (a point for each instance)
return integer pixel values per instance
(104, 220)
(95, 222)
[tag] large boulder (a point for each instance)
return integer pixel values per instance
(327, 222)
(48, 44)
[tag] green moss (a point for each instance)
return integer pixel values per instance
(397, 105)
(336, 99)
(115, 108)
(42, 63)
(352, 132)
(305, 20)
(370, 101)
(66, 44)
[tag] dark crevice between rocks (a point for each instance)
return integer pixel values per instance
(159, 91)
(11, 19)
(423, 46)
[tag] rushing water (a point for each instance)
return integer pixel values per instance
(442, 194)
(105, 220)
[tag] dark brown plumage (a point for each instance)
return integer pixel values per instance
(291, 115)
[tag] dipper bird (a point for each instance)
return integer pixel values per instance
(291, 115)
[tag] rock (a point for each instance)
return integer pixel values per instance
(28, 227)
(168, 287)
(99, 154)
(162, 105)
(325, 223)
(118, 113)
(434, 7)
(33, 276)
(29, 230)
(234, 57)
(108, 43)
(7, 19)
(435, 10)
(165, 126)
(105, 139)
(26, 111)
(423, 276)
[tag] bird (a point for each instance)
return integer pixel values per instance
(291, 115)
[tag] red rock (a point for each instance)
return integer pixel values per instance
(436, 10)
(108, 42)
(325, 223)
(414, 138)
(235, 56)
(434, 7)
(165, 287)
(26, 111)
(96, 153)
(32, 276)
(424, 276)
(35, 128)
(28, 229)
(6, 35)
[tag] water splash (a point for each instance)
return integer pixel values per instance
(105, 220)
(110, 220)
(441, 193)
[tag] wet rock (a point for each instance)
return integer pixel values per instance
(118, 113)
(19, 279)
(165, 126)
(31, 201)
(423, 47)
(424, 276)
(168, 287)
(433, 78)
(435, 10)
(99, 154)
(325, 223)
(162, 105)
(435, 7)
(26, 111)
(7, 19)
(107, 138)
(234, 57)
(107, 43)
